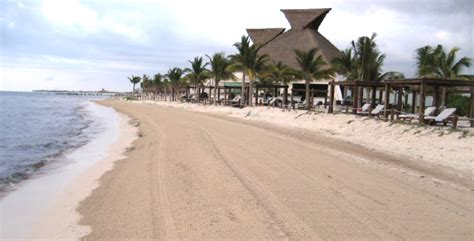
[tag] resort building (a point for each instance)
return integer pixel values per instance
(303, 35)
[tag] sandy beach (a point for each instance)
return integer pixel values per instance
(227, 176)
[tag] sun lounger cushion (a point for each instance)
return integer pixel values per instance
(443, 116)
(428, 112)
(377, 110)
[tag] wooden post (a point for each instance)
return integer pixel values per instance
(455, 122)
(344, 95)
(374, 89)
(471, 112)
(399, 99)
(444, 99)
(436, 101)
(413, 101)
(249, 97)
(380, 96)
(386, 101)
(355, 98)
(292, 101)
(256, 97)
(421, 111)
(325, 100)
(332, 85)
(209, 95)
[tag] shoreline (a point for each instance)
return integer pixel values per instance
(57, 193)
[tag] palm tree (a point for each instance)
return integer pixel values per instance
(135, 80)
(197, 73)
(311, 68)
(157, 82)
(391, 75)
(277, 72)
(446, 65)
(436, 62)
(346, 64)
(146, 83)
(174, 75)
(239, 59)
(425, 61)
(250, 62)
(368, 58)
(219, 70)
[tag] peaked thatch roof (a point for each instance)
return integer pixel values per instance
(264, 35)
(303, 35)
(305, 18)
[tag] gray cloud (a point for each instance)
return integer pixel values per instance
(130, 37)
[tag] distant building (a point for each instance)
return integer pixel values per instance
(279, 44)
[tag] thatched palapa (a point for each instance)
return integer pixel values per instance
(303, 35)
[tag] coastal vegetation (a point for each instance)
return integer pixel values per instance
(197, 73)
(362, 61)
(219, 70)
(311, 68)
(134, 80)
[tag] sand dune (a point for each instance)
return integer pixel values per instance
(195, 176)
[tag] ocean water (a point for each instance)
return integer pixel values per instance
(39, 129)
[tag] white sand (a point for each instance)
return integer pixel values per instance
(436, 145)
(44, 208)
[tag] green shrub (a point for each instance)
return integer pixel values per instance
(460, 102)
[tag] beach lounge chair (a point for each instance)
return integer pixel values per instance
(272, 101)
(302, 105)
(236, 101)
(364, 110)
(267, 101)
(429, 111)
(444, 117)
(377, 110)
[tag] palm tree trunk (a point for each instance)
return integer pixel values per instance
(242, 100)
(133, 87)
(307, 94)
(215, 92)
(250, 92)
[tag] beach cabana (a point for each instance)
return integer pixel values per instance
(276, 89)
(356, 87)
(438, 88)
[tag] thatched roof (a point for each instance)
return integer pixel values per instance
(305, 18)
(264, 35)
(303, 35)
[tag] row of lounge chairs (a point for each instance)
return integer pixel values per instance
(365, 110)
(445, 116)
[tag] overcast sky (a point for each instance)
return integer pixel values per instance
(89, 45)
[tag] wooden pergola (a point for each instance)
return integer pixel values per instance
(419, 86)
(228, 91)
(357, 88)
(275, 87)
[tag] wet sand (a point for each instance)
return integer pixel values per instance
(196, 176)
